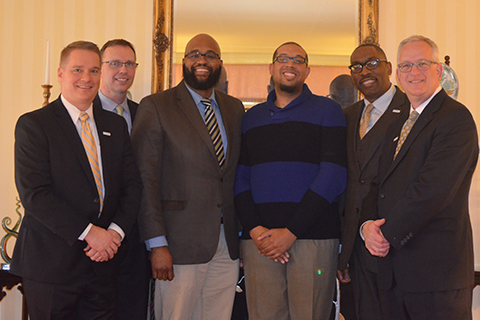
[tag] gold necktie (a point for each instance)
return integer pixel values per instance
(91, 150)
(119, 110)
(407, 126)
(365, 120)
(214, 131)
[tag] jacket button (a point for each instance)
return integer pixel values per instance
(382, 196)
(219, 205)
(96, 200)
(362, 181)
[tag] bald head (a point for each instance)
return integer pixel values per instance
(202, 43)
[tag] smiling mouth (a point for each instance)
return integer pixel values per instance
(368, 82)
(121, 79)
(84, 87)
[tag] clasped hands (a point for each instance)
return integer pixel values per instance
(273, 243)
(102, 245)
(375, 242)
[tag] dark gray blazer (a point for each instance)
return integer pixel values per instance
(185, 192)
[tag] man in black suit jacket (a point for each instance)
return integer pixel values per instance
(118, 72)
(73, 224)
(370, 71)
(422, 228)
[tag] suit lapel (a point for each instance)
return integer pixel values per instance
(187, 105)
(72, 138)
(425, 117)
(353, 127)
(397, 107)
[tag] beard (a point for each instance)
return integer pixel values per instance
(210, 82)
(288, 88)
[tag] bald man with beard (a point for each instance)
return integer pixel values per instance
(187, 216)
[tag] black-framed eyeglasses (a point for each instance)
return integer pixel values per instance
(115, 64)
(209, 56)
(285, 59)
(370, 65)
(422, 65)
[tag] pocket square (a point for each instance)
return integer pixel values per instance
(105, 133)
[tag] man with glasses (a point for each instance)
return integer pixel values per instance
(118, 72)
(292, 169)
(187, 141)
(422, 226)
(367, 122)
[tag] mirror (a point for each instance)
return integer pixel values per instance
(248, 31)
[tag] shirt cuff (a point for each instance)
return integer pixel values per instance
(361, 232)
(160, 241)
(85, 232)
(116, 227)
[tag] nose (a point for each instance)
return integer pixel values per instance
(414, 69)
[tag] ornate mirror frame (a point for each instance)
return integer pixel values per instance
(163, 37)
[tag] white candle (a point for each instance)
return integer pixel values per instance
(47, 67)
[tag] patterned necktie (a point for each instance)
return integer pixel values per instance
(214, 131)
(365, 120)
(407, 126)
(119, 110)
(91, 150)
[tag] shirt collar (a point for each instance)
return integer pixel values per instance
(382, 103)
(110, 105)
(74, 112)
(422, 106)
(197, 97)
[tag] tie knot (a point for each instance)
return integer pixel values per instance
(369, 108)
(206, 102)
(119, 110)
(414, 115)
(84, 116)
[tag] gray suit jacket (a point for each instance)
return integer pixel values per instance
(360, 175)
(185, 192)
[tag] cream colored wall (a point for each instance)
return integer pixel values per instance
(25, 26)
(455, 27)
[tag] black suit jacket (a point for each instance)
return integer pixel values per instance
(186, 193)
(58, 192)
(361, 175)
(423, 195)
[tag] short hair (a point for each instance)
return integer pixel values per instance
(415, 38)
(372, 45)
(287, 43)
(118, 42)
(78, 45)
(343, 91)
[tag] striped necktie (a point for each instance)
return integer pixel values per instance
(365, 120)
(214, 131)
(91, 150)
(407, 126)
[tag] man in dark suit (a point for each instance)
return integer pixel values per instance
(80, 187)
(187, 215)
(422, 226)
(118, 72)
(366, 128)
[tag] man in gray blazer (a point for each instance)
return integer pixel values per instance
(382, 104)
(187, 142)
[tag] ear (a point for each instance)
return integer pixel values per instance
(59, 74)
(307, 72)
(270, 68)
(439, 70)
(389, 68)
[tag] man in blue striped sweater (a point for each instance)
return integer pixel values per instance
(292, 169)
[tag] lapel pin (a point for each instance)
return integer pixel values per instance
(108, 134)
(396, 110)
(395, 139)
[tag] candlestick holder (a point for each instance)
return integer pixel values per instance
(46, 93)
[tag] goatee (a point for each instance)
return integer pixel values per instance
(210, 82)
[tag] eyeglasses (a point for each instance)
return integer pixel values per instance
(115, 64)
(285, 59)
(422, 65)
(370, 65)
(209, 56)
